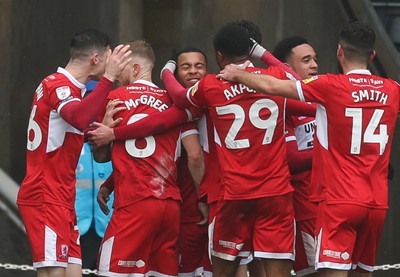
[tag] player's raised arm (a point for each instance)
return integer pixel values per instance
(150, 125)
(81, 113)
(259, 52)
(174, 88)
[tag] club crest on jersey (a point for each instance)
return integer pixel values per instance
(63, 92)
(194, 89)
(309, 80)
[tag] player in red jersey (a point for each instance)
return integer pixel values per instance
(59, 115)
(194, 261)
(356, 116)
(301, 57)
(142, 235)
(249, 135)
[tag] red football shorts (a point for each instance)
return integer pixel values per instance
(348, 236)
(268, 223)
(53, 235)
(304, 262)
(142, 238)
(193, 246)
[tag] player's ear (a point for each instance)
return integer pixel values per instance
(219, 57)
(372, 56)
(94, 59)
(135, 69)
(339, 51)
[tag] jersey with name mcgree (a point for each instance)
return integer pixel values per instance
(144, 167)
(250, 136)
(355, 122)
(53, 146)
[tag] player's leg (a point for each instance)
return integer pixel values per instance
(51, 272)
(277, 267)
(224, 268)
(256, 268)
(360, 274)
(327, 272)
(73, 270)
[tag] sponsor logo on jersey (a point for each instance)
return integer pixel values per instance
(230, 244)
(63, 92)
(336, 254)
(309, 80)
(137, 264)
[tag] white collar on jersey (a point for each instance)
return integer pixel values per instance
(250, 64)
(145, 83)
(359, 71)
(72, 79)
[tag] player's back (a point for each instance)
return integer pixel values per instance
(249, 136)
(144, 167)
(53, 145)
(355, 127)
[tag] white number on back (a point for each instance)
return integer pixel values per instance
(36, 132)
(130, 145)
(254, 115)
(369, 134)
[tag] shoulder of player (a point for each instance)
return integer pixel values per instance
(60, 84)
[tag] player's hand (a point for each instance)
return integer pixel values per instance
(256, 51)
(231, 71)
(111, 110)
(101, 136)
(203, 209)
(117, 61)
(102, 198)
(170, 65)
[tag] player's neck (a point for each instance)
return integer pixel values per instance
(350, 66)
(145, 76)
(80, 72)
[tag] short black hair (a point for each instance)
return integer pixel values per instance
(232, 41)
(357, 40)
(87, 41)
(176, 54)
(251, 27)
(283, 49)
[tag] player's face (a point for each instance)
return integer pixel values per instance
(191, 67)
(303, 61)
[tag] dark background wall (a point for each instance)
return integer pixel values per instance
(35, 36)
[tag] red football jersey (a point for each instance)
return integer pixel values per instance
(301, 129)
(53, 146)
(211, 182)
(355, 122)
(144, 167)
(250, 133)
